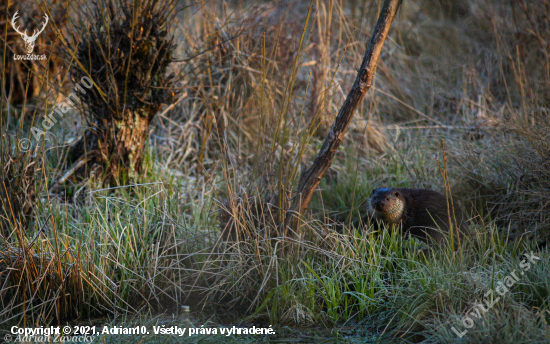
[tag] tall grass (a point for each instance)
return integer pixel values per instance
(264, 82)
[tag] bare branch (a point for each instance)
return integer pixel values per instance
(311, 178)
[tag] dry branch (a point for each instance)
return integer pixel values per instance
(311, 178)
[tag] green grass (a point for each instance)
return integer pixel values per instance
(256, 115)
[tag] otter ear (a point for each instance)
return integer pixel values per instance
(373, 191)
(396, 194)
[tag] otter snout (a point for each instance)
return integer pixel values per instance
(379, 205)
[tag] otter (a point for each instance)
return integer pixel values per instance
(421, 213)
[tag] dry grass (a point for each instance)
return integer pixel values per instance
(263, 83)
(19, 188)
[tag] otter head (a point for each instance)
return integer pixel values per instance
(387, 204)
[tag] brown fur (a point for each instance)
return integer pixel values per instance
(420, 212)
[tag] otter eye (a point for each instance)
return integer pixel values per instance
(373, 191)
(387, 198)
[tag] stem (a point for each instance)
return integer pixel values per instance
(311, 178)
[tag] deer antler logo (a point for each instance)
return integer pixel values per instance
(29, 41)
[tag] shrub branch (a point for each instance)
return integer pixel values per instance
(311, 178)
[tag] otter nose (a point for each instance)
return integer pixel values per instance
(379, 204)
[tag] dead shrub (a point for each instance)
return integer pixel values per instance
(125, 49)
